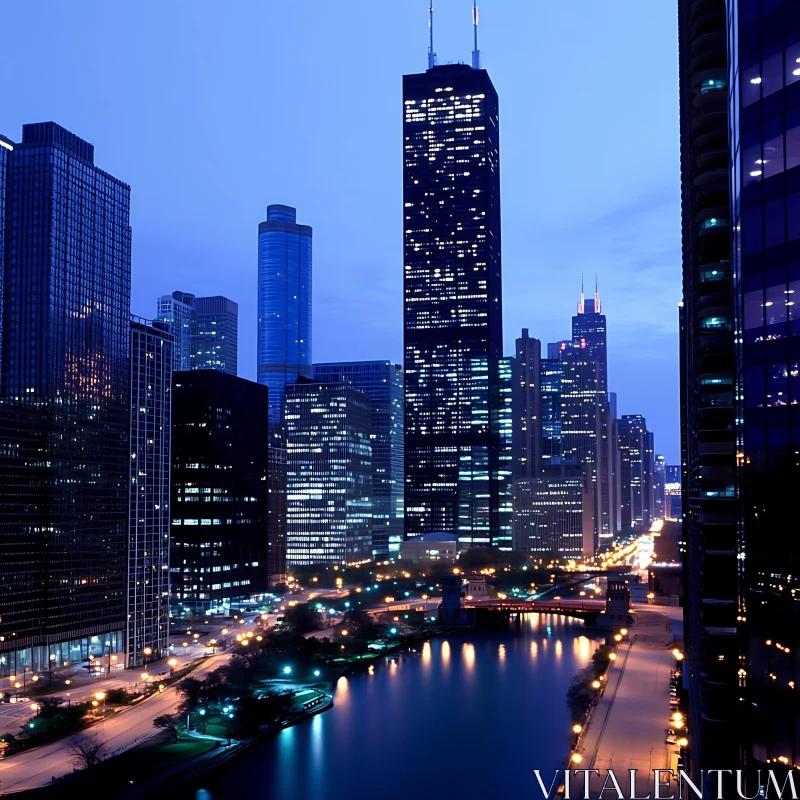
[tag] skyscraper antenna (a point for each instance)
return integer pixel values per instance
(431, 54)
(476, 54)
(596, 296)
(581, 304)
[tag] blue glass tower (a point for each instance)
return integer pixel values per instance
(284, 303)
(6, 146)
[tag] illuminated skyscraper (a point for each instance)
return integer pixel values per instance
(284, 303)
(382, 383)
(206, 331)
(452, 303)
(149, 533)
(633, 456)
(329, 474)
(6, 146)
(550, 382)
(66, 355)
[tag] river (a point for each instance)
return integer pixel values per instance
(466, 715)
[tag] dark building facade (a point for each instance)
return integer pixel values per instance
(284, 303)
(764, 218)
(527, 408)
(329, 479)
(65, 355)
(382, 383)
(452, 303)
(148, 536)
(215, 334)
(6, 146)
(708, 417)
(550, 382)
(633, 455)
(220, 546)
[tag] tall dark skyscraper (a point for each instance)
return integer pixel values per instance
(452, 303)
(284, 303)
(6, 146)
(527, 408)
(220, 441)
(65, 355)
(633, 453)
(149, 532)
(708, 370)
(382, 383)
(589, 331)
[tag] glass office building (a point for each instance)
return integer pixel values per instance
(527, 407)
(632, 447)
(581, 402)
(220, 443)
(206, 331)
(65, 353)
(149, 532)
(382, 383)
(6, 145)
(452, 303)
(550, 382)
(284, 303)
(329, 474)
(764, 217)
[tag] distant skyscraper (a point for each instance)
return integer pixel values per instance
(527, 408)
(649, 493)
(550, 382)
(215, 334)
(554, 513)
(329, 474)
(206, 331)
(589, 331)
(65, 352)
(580, 417)
(220, 442)
(615, 466)
(659, 481)
(452, 303)
(382, 383)
(554, 348)
(284, 303)
(176, 311)
(632, 447)
(149, 532)
(505, 416)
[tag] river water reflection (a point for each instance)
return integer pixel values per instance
(465, 715)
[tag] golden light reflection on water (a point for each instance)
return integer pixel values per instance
(469, 656)
(501, 652)
(582, 647)
(445, 653)
(342, 691)
(559, 649)
(534, 649)
(427, 655)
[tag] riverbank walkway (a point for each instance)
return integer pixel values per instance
(627, 727)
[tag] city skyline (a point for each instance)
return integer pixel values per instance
(637, 264)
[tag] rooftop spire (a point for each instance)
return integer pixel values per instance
(431, 54)
(581, 304)
(476, 54)
(596, 296)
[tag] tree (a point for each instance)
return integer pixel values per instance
(363, 624)
(50, 706)
(302, 618)
(191, 690)
(167, 722)
(87, 752)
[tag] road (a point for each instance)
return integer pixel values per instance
(37, 767)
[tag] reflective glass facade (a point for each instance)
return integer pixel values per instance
(206, 331)
(6, 145)
(505, 425)
(382, 383)
(220, 443)
(632, 447)
(452, 304)
(580, 417)
(527, 407)
(284, 303)
(329, 474)
(764, 125)
(65, 353)
(551, 411)
(148, 538)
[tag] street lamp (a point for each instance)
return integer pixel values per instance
(172, 663)
(576, 729)
(596, 685)
(100, 698)
(148, 651)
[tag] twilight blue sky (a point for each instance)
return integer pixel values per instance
(213, 110)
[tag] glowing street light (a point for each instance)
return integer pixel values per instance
(596, 685)
(612, 656)
(577, 758)
(684, 742)
(576, 729)
(287, 670)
